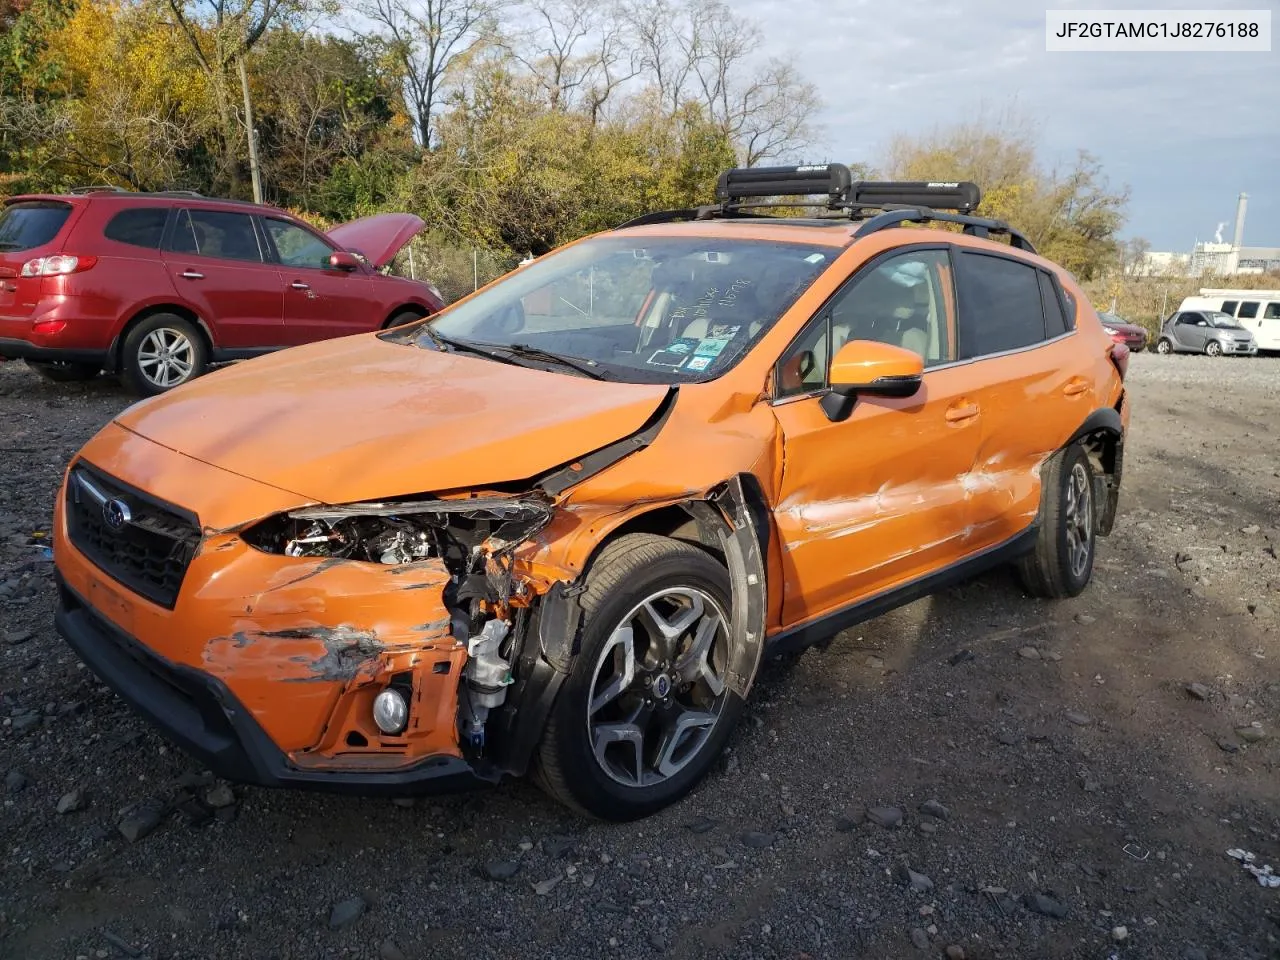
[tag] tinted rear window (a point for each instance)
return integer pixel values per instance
(139, 227)
(1000, 306)
(24, 226)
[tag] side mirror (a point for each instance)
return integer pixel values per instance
(342, 260)
(870, 368)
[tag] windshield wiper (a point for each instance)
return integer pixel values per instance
(585, 367)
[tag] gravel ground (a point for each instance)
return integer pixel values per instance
(978, 775)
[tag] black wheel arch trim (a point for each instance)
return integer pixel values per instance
(1106, 420)
(735, 517)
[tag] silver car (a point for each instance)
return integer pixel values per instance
(1205, 331)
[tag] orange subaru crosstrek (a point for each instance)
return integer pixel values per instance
(555, 528)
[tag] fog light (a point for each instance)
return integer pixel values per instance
(390, 711)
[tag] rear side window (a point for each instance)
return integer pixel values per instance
(1229, 307)
(1000, 305)
(139, 227)
(1055, 322)
(24, 226)
(212, 233)
(1248, 310)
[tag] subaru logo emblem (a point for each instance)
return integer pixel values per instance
(116, 514)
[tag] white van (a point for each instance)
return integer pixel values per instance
(1258, 311)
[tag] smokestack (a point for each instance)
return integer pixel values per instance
(1240, 209)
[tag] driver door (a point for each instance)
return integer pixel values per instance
(879, 499)
(1192, 330)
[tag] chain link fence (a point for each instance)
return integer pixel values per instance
(456, 271)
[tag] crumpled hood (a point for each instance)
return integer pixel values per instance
(358, 418)
(378, 238)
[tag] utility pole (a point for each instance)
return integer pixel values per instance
(251, 131)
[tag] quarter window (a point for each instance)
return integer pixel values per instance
(297, 247)
(139, 227)
(1055, 321)
(1248, 310)
(1229, 307)
(902, 301)
(212, 233)
(1000, 305)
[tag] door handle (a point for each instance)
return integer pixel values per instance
(961, 411)
(1075, 387)
(192, 275)
(299, 285)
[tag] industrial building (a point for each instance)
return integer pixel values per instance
(1216, 257)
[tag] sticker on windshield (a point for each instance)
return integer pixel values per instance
(712, 347)
(683, 345)
(721, 331)
(698, 363)
(667, 358)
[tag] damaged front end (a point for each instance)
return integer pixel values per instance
(472, 542)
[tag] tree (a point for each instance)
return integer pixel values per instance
(578, 54)
(427, 39)
(221, 34)
(702, 50)
(1071, 215)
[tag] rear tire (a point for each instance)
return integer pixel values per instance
(640, 721)
(65, 371)
(162, 352)
(1164, 346)
(1062, 562)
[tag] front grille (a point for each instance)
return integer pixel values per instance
(146, 548)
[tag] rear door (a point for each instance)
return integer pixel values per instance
(319, 301)
(217, 262)
(28, 229)
(1034, 384)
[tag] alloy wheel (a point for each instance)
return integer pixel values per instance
(1079, 520)
(166, 357)
(658, 688)
(1213, 348)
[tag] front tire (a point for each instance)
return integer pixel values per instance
(1062, 562)
(646, 711)
(65, 371)
(1213, 348)
(1165, 346)
(162, 352)
(403, 317)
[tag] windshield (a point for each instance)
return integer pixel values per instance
(637, 309)
(1224, 320)
(24, 226)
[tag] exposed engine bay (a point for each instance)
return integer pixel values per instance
(472, 537)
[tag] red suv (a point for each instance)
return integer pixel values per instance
(155, 286)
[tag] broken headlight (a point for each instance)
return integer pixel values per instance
(404, 531)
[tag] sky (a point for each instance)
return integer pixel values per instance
(1186, 132)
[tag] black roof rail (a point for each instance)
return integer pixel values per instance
(99, 188)
(175, 193)
(973, 226)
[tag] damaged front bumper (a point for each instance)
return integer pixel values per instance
(200, 714)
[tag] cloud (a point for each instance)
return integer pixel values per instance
(1186, 132)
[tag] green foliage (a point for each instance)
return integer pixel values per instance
(1072, 216)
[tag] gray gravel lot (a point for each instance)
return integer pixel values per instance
(977, 775)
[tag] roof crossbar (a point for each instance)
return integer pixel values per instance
(973, 226)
